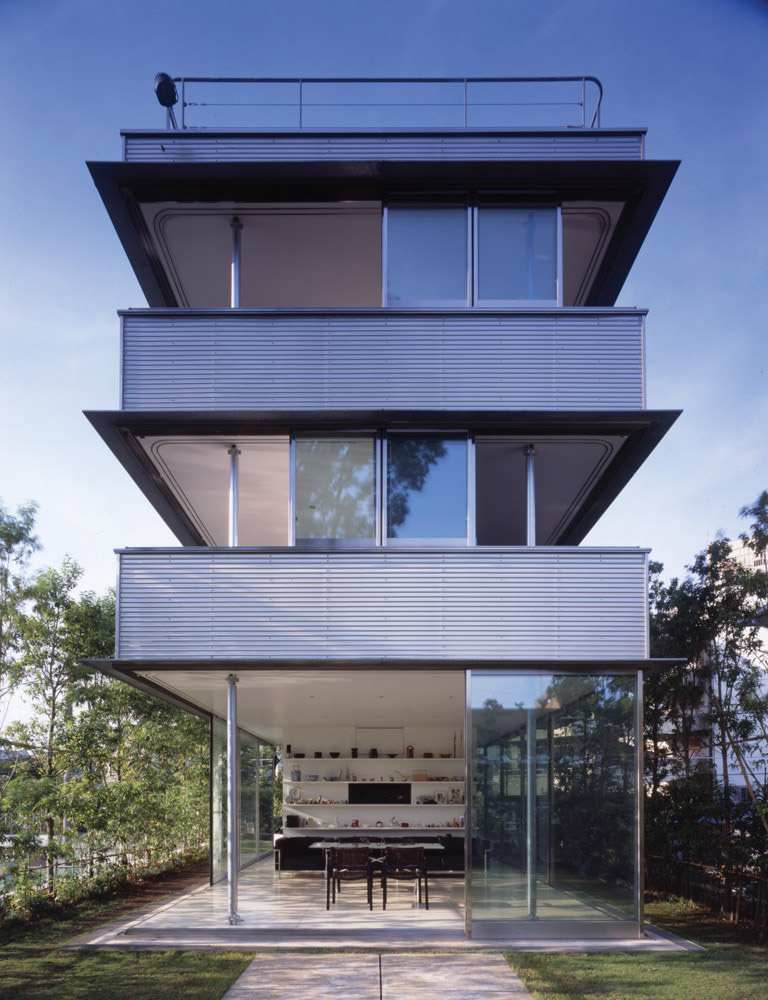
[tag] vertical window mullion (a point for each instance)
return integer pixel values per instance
(384, 262)
(384, 485)
(292, 492)
(471, 530)
(559, 253)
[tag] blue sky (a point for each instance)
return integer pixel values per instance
(73, 72)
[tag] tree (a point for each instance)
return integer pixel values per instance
(712, 706)
(17, 543)
(48, 658)
(757, 539)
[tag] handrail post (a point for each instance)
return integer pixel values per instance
(583, 102)
(465, 102)
(301, 104)
(183, 103)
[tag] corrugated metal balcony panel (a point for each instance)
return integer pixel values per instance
(567, 359)
(516, 604)
(229, 147)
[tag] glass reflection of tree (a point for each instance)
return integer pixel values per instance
(335, 488)
(500, 791)
(409, 462)
(249, 778)
(268, 763)
(593, 775)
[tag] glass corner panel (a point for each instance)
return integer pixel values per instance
(218, 799)
(554, 798)
(266, 799)
(249, 799)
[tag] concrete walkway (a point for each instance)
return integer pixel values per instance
(378, 977)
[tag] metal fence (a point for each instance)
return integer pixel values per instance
(740, 895)
(382, 102)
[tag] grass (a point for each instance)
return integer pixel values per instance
(734, 966)
(33, 966)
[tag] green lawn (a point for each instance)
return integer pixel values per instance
(734, 966)
(32, 966)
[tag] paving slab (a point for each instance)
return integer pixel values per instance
(309, 977)
(449, 977)
(289, 976)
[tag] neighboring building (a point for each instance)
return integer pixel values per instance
(380, 394)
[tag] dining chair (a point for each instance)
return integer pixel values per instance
(348, 864)
(405, 864)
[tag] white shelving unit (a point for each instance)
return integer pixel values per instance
(324, 805)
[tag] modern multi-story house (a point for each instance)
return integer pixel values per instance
(380, 394)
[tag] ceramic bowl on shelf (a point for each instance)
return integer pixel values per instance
(311, 777)
(299, 756)
(445, 756)
(330, 779)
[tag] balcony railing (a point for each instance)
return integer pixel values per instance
(386, 102)
(241, 359)
(479, 604)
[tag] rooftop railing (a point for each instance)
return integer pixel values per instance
(313, 103)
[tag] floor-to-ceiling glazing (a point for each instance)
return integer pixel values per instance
(554, 799)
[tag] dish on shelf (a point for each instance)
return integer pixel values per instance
(334, 754)
(330, 779)
(311, 777)
(299, 756)
(445, 756)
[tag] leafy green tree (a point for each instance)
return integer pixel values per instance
(48, 658)
(17, 543)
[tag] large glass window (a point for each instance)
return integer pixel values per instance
(426, 479)
(426, 488)
(335, 488)
(218, 800)
(249, 799)
(427, 259)
(554, 801)
(266, 798)
(513, 256)
(516, 254)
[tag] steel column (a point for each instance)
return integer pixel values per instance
(530, 496)
(530, 818)
(234, 488)
(236, 227)
(233, 801)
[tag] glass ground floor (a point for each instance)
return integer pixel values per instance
(533, 769)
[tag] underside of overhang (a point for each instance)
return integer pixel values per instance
(128, 188)
(138, 440)
(275, 695)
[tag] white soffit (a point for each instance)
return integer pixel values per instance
(313, 255)
(587, 230)
(566, 469)
(197, 470)
(270, 701)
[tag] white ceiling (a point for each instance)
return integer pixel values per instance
(325, 255)
(271, 701)
(197, 470)
(321, 254)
